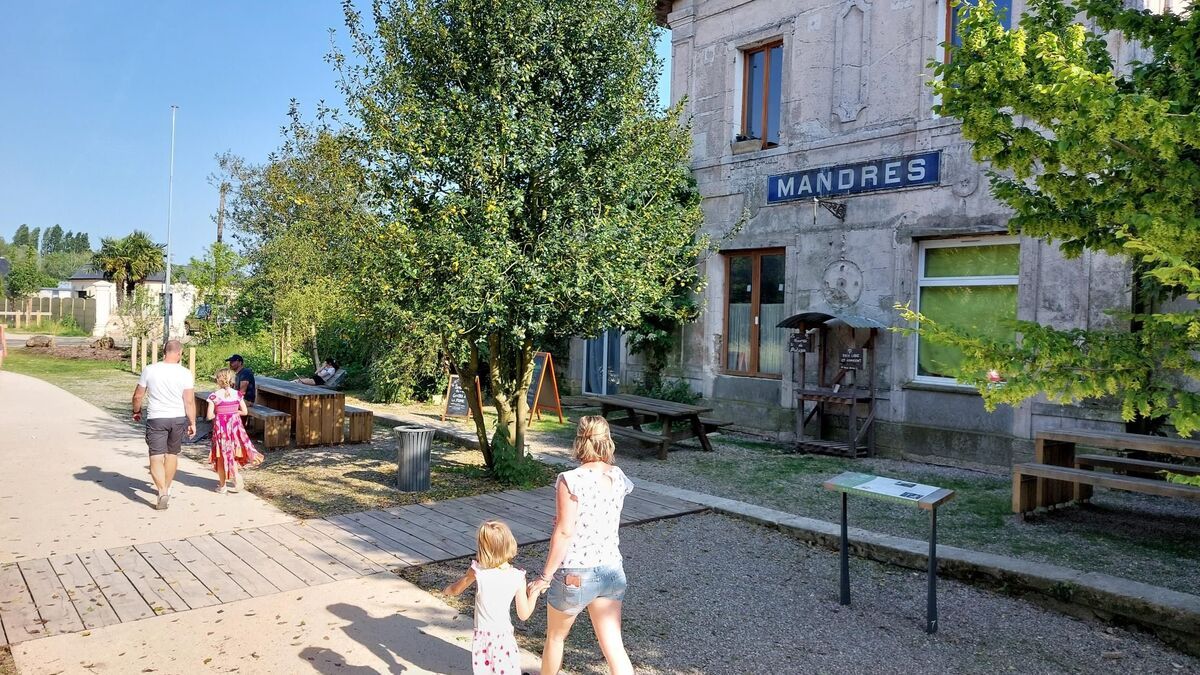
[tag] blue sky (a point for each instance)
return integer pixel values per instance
(85, 122)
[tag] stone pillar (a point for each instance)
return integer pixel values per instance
(105, 294)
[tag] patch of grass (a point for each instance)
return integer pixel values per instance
(63, 328)
(53, 369)
(325, 481)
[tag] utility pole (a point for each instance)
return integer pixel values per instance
(221, 212)
(170, 203)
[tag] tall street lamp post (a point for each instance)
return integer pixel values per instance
(167, 297)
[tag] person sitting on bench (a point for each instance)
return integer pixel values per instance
(322, 375)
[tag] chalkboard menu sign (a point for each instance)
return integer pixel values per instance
(798, 342)
(535, 385)
(543, 388)
(456, 399)
(851, 359)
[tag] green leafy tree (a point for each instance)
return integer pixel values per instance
(60, 265)
(21, 236)
(24, 278)
(78, 242)
(216, 276)
(129, 260)
(52, 240)
(522, 169)
(1097, 156)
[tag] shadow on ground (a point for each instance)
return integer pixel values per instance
(425, 652)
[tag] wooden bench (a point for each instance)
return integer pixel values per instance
(1025, 497)
(276, 425)
(630, 432)
(360, 424)
(1057, 447)
(1137, 465)
(712, 426)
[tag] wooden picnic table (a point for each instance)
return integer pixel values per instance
(1059, 475)
(318, 414)
(679, 420)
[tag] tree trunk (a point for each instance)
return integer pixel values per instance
(500, 387)
(316, 358)
(467, 375)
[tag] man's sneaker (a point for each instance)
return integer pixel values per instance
(164, 500)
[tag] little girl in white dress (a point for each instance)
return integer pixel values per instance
(494, 647)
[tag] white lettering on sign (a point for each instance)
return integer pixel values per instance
(916, 170)
(845, 179)
(787, 186)
(881, 174)
(824, 181)
(891, 173)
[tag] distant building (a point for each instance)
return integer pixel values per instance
(86, 277)
(87, 282)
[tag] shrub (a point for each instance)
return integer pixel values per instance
(254, 348)
(514, 467)
(405, 372)
(678, 391)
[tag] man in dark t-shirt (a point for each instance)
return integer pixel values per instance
(245, 378)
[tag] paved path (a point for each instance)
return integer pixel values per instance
(93, 579)
(74, 479)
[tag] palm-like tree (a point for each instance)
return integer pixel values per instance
(129, 260)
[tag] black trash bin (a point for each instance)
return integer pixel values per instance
(412, 458)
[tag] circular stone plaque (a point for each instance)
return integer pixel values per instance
(842, 284)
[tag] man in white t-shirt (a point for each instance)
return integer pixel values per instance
(168, 391)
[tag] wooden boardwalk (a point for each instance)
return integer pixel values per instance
(71, 593)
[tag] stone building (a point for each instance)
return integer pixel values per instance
(792, 100)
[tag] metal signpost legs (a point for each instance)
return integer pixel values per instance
(845, 599)
(931, 617)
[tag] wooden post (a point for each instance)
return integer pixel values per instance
(144, 352)
(154, 351)
(133, 347)
(192, 361)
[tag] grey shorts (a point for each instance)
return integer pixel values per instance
(165, 435)
(595, 582)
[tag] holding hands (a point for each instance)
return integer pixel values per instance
(537, 586)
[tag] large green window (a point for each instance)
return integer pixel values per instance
(970, 284)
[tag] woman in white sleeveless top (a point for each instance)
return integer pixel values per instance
(584, 568)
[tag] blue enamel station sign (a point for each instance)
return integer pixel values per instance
(848, 179)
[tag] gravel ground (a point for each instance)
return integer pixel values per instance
(710, 594)
(1146, 538)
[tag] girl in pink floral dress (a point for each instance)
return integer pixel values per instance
(231, 446)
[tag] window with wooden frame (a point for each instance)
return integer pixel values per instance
(954, 12)
(754, 283)
(762, 79)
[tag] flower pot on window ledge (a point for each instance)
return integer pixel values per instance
(741, 145)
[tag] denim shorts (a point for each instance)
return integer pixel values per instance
(595, 582)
